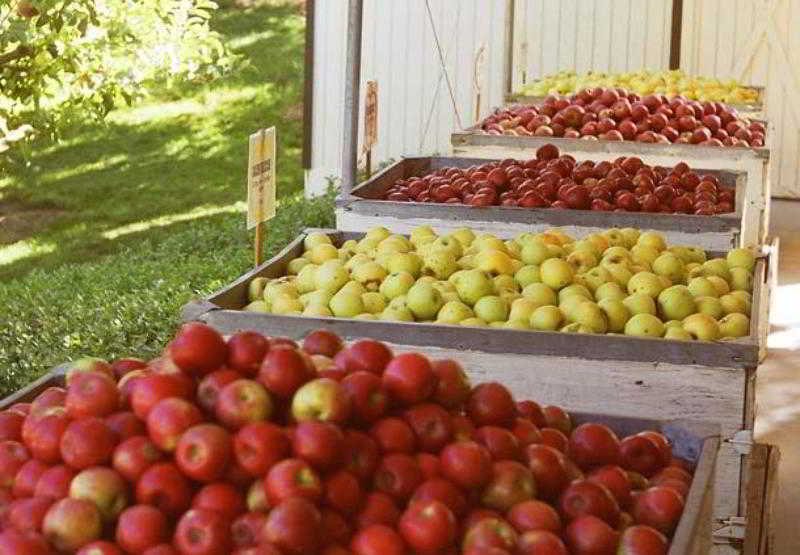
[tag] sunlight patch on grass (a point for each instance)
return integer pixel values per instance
(73, 171)
(174, 218)
(151, 113)
(248, 40)
(24, 249)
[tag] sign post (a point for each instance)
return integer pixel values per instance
(261, 186)
(370, 122)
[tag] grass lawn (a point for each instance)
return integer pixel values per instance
(113, 229)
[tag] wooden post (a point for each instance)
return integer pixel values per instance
(260, 187)
(351, 97)
(370, 122)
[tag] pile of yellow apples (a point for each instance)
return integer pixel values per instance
(620, 281)
(644, 82)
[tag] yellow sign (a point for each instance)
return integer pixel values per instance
(371, 115)
(261, 177)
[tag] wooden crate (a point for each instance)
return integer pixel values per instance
(697, 442)
(364, 209)
(665, 379)
(754, 162)
(754, 110)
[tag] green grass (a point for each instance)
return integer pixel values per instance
(145, 212)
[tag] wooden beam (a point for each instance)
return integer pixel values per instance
(675, 37)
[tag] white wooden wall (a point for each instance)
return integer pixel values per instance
(399, 51)
(721, 36)
(583, 35)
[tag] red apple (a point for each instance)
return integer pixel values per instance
(409, 378)
(135, 455)
(292, 478)
(377, 539)
(319, 443)
(490, 533)
(616, 481)
(198, 349)
(367, 398)
(322, 342)
(246, 530)
(541, 542)
(532, 411)
(246, 351)
(125, 425)
(439, 489)
(431, 424)
(589, 535)
(288, 526)
(452, 386)
(467, 464)
(584, 497)
(367, 355)
(377, 508)
(532, 515)
(398, 475)
(284, 370)
(659, 507)
(11, 425)
(222, 498)
(169, 419)
(343, 492)
(491, 404)
(204, 451)
(321, 399)
(203, 531)
(593, 444)
(500, 442)
(152, 388)
(54, 482)
(209, 387)
(42, 433)
(27, 477)
(259, 446)
(91, 394)
(242, 402)
(104, 487)
(642, 540)
(12, 456)
(87, 442)
(165, 487)
(87, 364)
(428, 527)
(72, 523)
(549, 468)
(511, 483)
(27, 515)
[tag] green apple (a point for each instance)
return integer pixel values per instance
(472, 285)
(556, 273)
(670, 266)
(677, 333)
(366, 316)
(394, 243)
(540, 293)
(569, 306)
(616, 313)
(491, 308)
(609, 290)
(741, 258)
(556, 251)
(722, 286)
(294, 266)
(449, 244)
(630, 235)
(676, 303)
(331, 276)
(284, 304)
(592, 316)
(702, 287)
(396, 284)
(575, 289)
(377, 234)
(357, 259)
(488, 241)
(316, 238)
(522, 309)
(681, 252)
(596, 277)
(320, 297)
(439, 264)
(642, 254)
(283, 286)
(513, 249)
(546, 318)
(616, 255)
(397, 314)
(464, 236)
(601, 242)
(697, 255)
(741, 279)
(255, 289)
(322, 252)
(409, 262)
(652, 239)
(369, 274)
(732, 303)
(346, 304)
(257, 306)
(619, 273)
(582, 261)
(734, 324)
(494, 262)
(534, 252)
(645, 282)
(644, 325)
(507, 282)
(466, 262)
(350, 246)
(702, 327)
(744, 295)
(711, 306)
(398, 302)
(305, 280)
(424, 301)
(717, 267)
(640, 303)
(587, 246)
(527, 275)
(374, 302)
(673, 324)
(367, 245)
(317, 311)
(454, 312)
(353, 287)
(423, 232)
(515, 325)
(575, 327)
(472, 322)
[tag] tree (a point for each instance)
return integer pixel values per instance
(67, 61)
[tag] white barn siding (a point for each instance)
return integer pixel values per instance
(716, 37)
(399, 51)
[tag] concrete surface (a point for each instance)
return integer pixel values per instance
(778, 386)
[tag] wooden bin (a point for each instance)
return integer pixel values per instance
(753, 110)
(659, 378)
(364, 209)
(754, 162)
(697, 442)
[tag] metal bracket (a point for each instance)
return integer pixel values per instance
(742, 441)
(732, 530)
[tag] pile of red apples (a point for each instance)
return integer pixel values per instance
(260, 446)
(610, 114)
(555, 180)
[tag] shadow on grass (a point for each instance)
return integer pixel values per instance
(183, 149)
